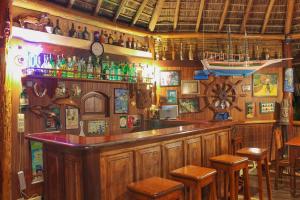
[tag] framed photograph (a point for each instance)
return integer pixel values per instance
(250, 109)
(190, 87)
(171, 97)
(53, 123)
(76, 90)
(169, 78)
(168, 112)
(36, 161)
(134, 121)
(123, 121)
(289, 80)
(72, 118)
(267, 107)
(246, 88)
(265, 85)
(97, 127)
(60, 91)
(121, 100)
(188, 105)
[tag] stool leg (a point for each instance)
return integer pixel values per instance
(190, 193)
(237, 175)
(226, 185)
(219, 186)
(198, 193)
(232, 185)
(246, 183)
(212, 190)
(259, 175)
(268, 178)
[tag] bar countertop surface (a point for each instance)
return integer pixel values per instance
(88, 142)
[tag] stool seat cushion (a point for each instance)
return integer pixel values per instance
(252, 151)
(193, 172)
(228, 159)
(155, 186)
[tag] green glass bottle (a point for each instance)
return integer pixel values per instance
(75, 68)
(63, 67)
(126, 72)
(70, 67)
(111, 71)
(58, 66)
(53, 66)
(83, 68)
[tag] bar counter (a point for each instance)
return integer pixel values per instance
(101, 167)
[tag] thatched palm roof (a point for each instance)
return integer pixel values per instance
(258, 16)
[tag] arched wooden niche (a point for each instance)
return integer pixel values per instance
(95, 105)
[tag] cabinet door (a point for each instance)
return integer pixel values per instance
(173, 156)
(148, 162)
(222, 142)
(116, 174)
(208, 148)
(193, 151)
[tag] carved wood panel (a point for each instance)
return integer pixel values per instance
(173, 156)
(208, 148)
(116, 174)
(148, 162)
(193, 151)
(222, 142)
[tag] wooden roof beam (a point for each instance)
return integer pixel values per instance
(98, 6)
(139, 12)
(155, 15)
(246, 15)
(225, 10)
(289, 16)
(176, 15)
(120, 8)
(71, 3)
(267, 16)
(201, 8)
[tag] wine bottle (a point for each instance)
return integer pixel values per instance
(105, 37)
(102, 37)
(83, 68)
(85, 34)
(121, 41)
(97, 68)
(63, 67)
(57, 66)
(125, 72)
(72, 31)
(128, 43)
(57, 29)
(70, 67)
(110, 39)
(75, 68)
(79, 33)
(53, 66)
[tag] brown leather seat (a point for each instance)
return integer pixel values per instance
(156, 188)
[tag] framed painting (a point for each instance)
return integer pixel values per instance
(267, 107)
(72, 118)
(265, 85)
(169, 78)
(190, 87)
(171, 97)
(250, 110)
(168, 112)
(188, 105)
(289, 80)
(121, 100)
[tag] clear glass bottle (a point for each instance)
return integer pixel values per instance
(53, 66)
(110, 39)
(79, 33)
(57, 30)
(72, 31)
(90, 68)
(70, 68)
(83, 68)
(85, 34)
(105, 37)
(63, 67)
(97, 68)
(75, 67)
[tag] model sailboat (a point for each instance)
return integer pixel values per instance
(230, 64)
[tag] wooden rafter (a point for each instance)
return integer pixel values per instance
(139, 12)
(201, 8)
(155, 15)
(289, 16)
(225, 10)
(246, 15)
(71, 3)
(98, 6)
(120, 8)
(267, 16)
(176, 15)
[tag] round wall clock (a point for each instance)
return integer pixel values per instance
(97, 49)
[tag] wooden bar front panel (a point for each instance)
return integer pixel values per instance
(193, 151)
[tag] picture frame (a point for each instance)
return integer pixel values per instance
(265, 84)
(121, 100)
(190, 87)
(168, 112)
(123, 121)
(171, 96)
(97, 127)
(266, 107)
(289, 80)
(169, 78)
(246, 88)
(72, 118)
(37, 167)
(53, 123)
(134, 121)
(250, 110)
(188, 105)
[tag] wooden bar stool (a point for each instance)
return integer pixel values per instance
(260, 156)
(156, 188)
(231, 166)
(195, 178)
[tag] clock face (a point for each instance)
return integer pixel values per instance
(97, 49)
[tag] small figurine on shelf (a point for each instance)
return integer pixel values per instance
(57, 30)
(72, 31)
(79, 33)
(85, 34)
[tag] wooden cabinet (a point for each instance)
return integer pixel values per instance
(193, 151)
(148, 162)
(223, 142)
(208, 148)
(173, 156)
(116, 173)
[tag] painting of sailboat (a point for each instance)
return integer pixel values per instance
(230, 64)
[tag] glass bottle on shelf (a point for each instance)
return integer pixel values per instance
(89, 68)
(53, 66)
(267, 55)
(83, 68)
(110, 39)
(102, 37)
(133, 43)
(115, 38)
(107, 71)
(125, 72)
(85, 34)
(58, 66)
(121, 41)
(79, 33)
(57, 30)
(72, 31)
(70, 68)
(191, 56)
(138, 45)
(45, 66)
(128, 43)
(181, 51)
(105, 37)
(111, 71)
(63, 67)
(97, 68)
(121, 72)
(76, 69)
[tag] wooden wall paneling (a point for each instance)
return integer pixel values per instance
(173, 156)
(117, 171)
(193, 151)
(208, 148)
(223, 142)
(148, 162)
